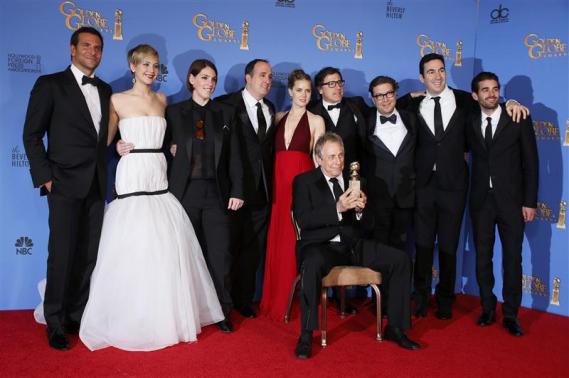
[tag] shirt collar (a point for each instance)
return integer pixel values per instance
(326, 103)
(78, 74)
(390, 114)
(495, 115)
(443, 95)
(340, 178)
(249, 99)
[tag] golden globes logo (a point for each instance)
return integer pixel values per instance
(533, 285)
(544, 213)
(330, 41)
(427, 46)
(76, 17)
(546, 130)
(539, 47)
(210, 30)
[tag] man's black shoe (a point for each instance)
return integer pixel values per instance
(225, 325)
(71, 327)
(57, 340)
(487, 318)
(247, 311)
(398, 336)
(303, 348)
(512, 325)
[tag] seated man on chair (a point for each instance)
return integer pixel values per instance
(330, 221)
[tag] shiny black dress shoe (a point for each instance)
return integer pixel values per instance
(487, 318)
(71, 327)
(444, 313)
(397, 335)
(57, 339)
(303, 348)
(420, 312)
(225, 326)
(513, 327)
(247, 311)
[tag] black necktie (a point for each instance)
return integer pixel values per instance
(488, 133)
(336, 188)
(89, 80)
(392, 118)
(439, 131)
(262, 122)
(337, 106)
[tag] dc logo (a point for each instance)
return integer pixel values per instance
(24, 245)
(499, 14)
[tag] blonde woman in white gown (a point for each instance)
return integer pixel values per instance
(151, 287)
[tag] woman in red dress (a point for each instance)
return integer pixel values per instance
(296, 133)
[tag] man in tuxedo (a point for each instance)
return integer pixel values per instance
(72, 107)
(390, 149)
(254, 125)
(503, 194)
(330, 221)
(441, 179)
(344, 116)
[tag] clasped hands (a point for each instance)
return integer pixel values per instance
(351, 199)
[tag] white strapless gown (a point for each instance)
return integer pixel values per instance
(151, 287)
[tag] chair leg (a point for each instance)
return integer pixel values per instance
(323, 326)
(291, 298)
(378, 336)
(342, 290)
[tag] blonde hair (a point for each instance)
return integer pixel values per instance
(137, 53)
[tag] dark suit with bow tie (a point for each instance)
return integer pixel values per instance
(206, 199)
(511, 163)
(75, 163)
(314, 209)
(251, 221)
(391, 181)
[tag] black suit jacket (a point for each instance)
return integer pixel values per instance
(448, 152)
(228, 163)
(257, 156)
(353, 137)
(391, 179)
(75, 153)
(512, 162)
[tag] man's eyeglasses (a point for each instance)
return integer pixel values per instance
(332, 84)
(200, 132)
(381, 96)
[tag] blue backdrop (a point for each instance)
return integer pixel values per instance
(523, 42)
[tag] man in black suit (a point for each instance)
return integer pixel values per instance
(72, 107)
(207, 174)
(254, 124)
(330, 220)
(441, 179)
(345, 116)
(503, 194)
(390, 155)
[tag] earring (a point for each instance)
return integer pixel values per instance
(133, 78)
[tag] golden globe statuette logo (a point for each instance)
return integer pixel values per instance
(355, 183)
(458, 59)
(539, 47)
(244, 36)
(117, 35)
(76, 17)
(358, 54)
(328, 40)
(566, 139)
(562, 215)
(555, 294)
(429, 46)
(210, 30)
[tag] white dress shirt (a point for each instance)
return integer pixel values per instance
(495, 119)
(334, 113)
(91, 94)
(390, 134)
(251, 106)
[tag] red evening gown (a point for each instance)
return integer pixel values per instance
(280, 263)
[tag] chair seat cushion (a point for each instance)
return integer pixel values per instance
(351, 276)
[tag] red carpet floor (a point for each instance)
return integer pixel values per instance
(262, 348)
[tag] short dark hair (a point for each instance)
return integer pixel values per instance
(474, 85)
(85, 29)
(383, 80)
(325, 138)
(427, 58)
(319, 78)
(250, 67)
(297, 75)
(196, 67)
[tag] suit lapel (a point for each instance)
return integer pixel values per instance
(324, 113)
(214, 117)
(504, 119)
(324, 188)
(372, 123)
(77, 99)
(477, 124)
(408, 136)
(186, 119)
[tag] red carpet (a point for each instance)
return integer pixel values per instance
(263, 348)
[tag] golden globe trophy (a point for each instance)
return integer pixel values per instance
(562, 215)
(358, 53)
(355, 183)
(566, 139)
(458, 58)
(244, 36)
(555, 294)
(117, 35)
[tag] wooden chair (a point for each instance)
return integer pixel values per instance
(340, 276)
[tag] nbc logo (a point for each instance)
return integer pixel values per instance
(24, 245)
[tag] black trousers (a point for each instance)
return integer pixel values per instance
(510, 224)
(74, 232)
(438, 216)
(318, 259)
(390, 225)
(212, 224)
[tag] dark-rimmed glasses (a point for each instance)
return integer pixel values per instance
(200, 132)
(381, 96)
(333, 83)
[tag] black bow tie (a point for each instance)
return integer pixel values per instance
(89, 80)
(337, 106)
(392, 118)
